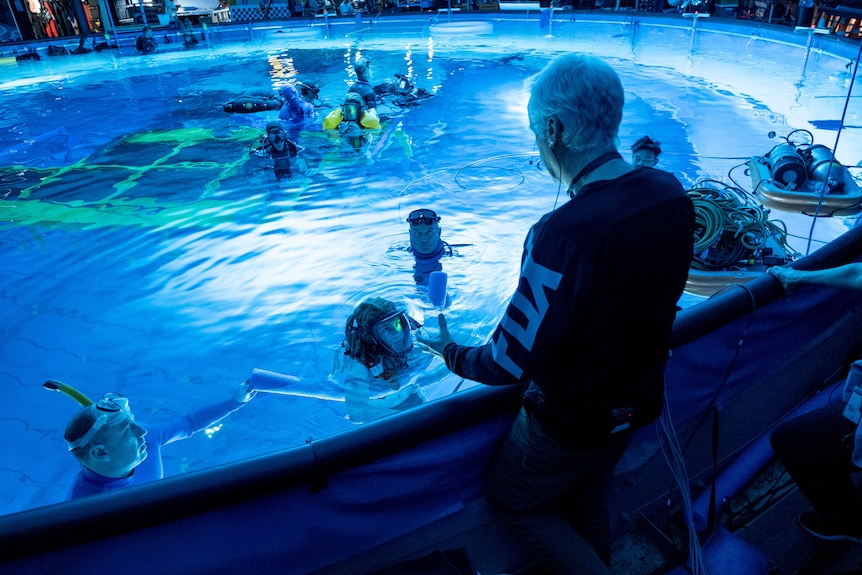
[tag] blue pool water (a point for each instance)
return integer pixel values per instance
(145, 252)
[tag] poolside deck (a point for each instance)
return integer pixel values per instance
(772, 530)
(243, 20)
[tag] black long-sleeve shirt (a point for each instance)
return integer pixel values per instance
(590, 321)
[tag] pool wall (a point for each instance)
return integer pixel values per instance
(309, 507)
(564, 24)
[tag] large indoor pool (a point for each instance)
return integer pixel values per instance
(146, 252)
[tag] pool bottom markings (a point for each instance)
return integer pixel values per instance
(171, 163)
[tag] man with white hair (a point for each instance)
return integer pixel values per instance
(589, 325)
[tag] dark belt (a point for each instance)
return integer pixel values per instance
(581, 429)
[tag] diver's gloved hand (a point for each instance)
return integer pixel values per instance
(244, 392)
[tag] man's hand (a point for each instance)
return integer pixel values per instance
(787, 276)
(440, 342)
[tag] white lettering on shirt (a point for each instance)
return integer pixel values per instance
(537, 277)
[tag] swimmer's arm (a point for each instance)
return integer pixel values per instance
(198, 420)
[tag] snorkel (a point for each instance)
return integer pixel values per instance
(103, 412)
(85, 402)
(54, 385)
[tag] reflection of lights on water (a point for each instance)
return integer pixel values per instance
(408, 60)
(282, 67)
(430, 53)
(429, 71)
(210, 431)
(23, 82)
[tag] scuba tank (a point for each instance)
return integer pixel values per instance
(822, 164)
(787, 166)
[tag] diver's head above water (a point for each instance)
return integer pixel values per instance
(362, 67)
(377, 327)
(105, 438)
(645, 152)
(424, 231)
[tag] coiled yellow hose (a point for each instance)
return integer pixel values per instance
(729, 216)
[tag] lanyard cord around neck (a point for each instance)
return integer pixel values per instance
(592, 167)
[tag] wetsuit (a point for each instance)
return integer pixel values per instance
(281, 149)
(89, 483)
(384, 388)
(365, 90)
(295, 112)
(403, 97)
(427, 263)
(588, 327)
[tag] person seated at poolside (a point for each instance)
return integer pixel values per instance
(645, 152)
(822, 449)
(276, 144)
(116, 452)
(345, 8)
(848, 276)
(362, 85)
(426, 245)
(145, 43)
(296, 111)
(376, 361)
(188, 32)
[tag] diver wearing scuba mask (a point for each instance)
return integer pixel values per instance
(426, 244)
(393, 334)
(375, 359)
(276, 144)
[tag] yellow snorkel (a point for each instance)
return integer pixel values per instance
(55, 385)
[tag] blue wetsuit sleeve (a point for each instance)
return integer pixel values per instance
(197, 420)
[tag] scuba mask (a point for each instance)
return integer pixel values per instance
(423, 216)
(353, 108)
(277, 138)
(393, 333)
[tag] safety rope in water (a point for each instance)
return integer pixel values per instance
(730, 226)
